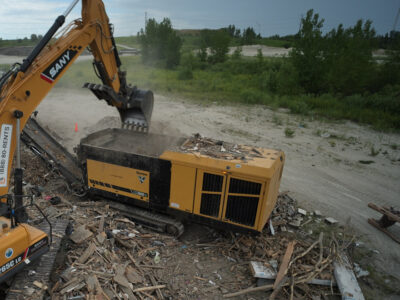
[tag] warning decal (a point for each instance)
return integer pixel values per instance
(5, 143)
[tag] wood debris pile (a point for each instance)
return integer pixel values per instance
(110, 258)
(219, 149)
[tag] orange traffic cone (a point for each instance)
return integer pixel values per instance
(76, 127)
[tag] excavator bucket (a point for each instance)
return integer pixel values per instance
(138, 114)
(135, 108)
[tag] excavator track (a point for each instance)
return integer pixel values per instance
(41, 268)
(154, 221)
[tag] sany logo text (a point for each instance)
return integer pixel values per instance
(60, 64)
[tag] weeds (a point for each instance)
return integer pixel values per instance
(373, 152)
(289, 133)
(277, 120)
(241, 82)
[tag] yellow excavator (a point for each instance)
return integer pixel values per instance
(25, 85)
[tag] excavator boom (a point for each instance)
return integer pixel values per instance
(25, 86)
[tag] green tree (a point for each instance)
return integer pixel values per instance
(160, 43)
(231, 29)
(219, 46)
(348, 55)
(204, 43)
(307, 53)
(249, 36)
(34, 37)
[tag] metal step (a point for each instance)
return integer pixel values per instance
(43, 266)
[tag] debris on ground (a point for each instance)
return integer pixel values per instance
(346, 279)
(108, 256)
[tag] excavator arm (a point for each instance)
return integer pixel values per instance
(25, 86)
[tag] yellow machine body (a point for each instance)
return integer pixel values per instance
(148, 172)
(236, 192)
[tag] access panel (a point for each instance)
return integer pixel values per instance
(112, 178)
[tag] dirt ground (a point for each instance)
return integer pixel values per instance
(252, 50)
(337, 168)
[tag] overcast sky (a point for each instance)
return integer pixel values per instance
(20, 18)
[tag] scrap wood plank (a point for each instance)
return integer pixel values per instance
(346, 280)
(281, 277)
(285, 263)
(250, 290)
(374, 223)
(158, 291)
(384, 211)
(87, 253)
(149, 288)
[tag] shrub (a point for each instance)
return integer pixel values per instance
(188, 64)
(287, 80)
(237, 54)
(251, 96)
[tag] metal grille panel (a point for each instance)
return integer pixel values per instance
(212, 182)
(242, 210)
(237, 186)
(210, 204)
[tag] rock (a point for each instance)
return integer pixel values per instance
(317, 213)
(101, 237)
(359, 271)
(122, 281)
(302, 211)
(29, 291)
(51, 211)
(55, 200)
(283, 228)
(133, 276)
(80, 234)
(295, 223)
(331, 220)
(199, 266)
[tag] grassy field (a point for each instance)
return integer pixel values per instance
(275, 43)
(17, 43)
(130, 41)
(223, 86)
